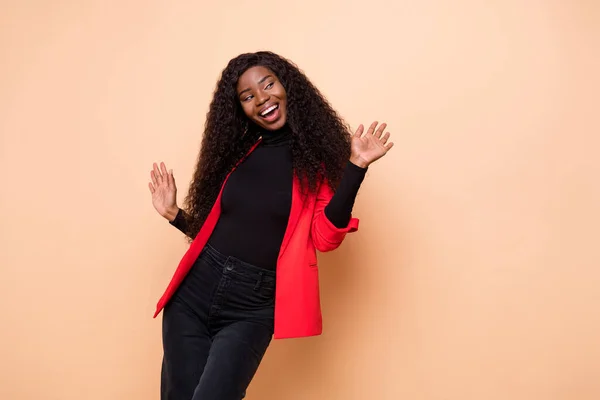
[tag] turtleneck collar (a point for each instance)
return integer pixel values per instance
(279, 137)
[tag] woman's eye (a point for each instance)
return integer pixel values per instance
(247, 98)
(270, 85)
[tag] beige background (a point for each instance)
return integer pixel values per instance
(475, 274)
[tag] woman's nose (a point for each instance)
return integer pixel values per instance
(262, 98)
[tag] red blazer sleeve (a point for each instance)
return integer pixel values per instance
(325, 235)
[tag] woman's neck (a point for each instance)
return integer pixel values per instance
(279, 137)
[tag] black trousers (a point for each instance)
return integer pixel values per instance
(216, 329)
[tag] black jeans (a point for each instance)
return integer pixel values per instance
(216, 329)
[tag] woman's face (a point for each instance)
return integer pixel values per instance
(263, 98)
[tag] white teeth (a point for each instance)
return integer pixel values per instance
(268, 110)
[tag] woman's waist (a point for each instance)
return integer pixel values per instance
(236, 267)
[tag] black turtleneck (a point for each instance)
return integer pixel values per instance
(257, 199)
(256, 204)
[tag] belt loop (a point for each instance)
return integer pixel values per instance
(259, 281)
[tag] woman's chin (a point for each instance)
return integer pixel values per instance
(275, 125)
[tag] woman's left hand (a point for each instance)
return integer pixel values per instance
(370, 147)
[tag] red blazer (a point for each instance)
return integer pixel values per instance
(297, 302)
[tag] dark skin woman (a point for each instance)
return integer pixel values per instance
(275, 182)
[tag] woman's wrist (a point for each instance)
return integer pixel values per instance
(359, 162)
(171, 213)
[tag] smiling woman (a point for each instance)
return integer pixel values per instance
(268, 110)
(276, 180)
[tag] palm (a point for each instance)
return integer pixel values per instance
(163, 198)
(163, 189)
(371, 146)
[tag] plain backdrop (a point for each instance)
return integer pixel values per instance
(475, 274)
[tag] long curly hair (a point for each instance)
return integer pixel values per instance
(320, 138)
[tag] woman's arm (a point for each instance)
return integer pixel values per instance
(332, 219)
(339, 209)
(180, 221)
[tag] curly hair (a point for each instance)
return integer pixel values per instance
(320, 138)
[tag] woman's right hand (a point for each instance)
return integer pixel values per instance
(164, 191)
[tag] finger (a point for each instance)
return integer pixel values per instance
(153, 177)
(385, 138)
(389, 146)
(380, 130)
(359, 131)
(157, 174)
(171, 178)
(151, 187)
(164, 173)
(372, 128)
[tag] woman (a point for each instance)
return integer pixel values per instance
(276, 180)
